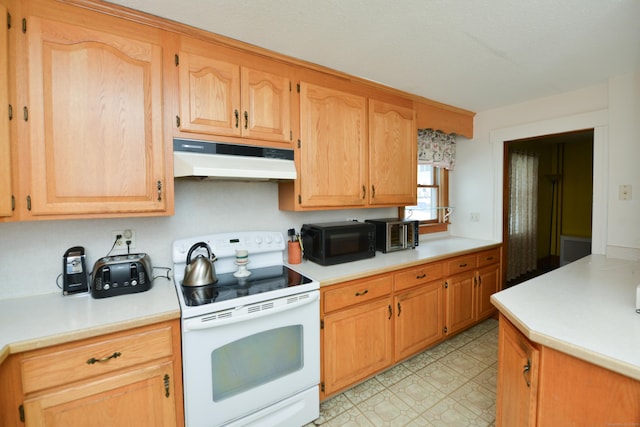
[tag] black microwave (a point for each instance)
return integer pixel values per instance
(338, 242)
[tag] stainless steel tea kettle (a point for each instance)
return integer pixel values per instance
(200, 271)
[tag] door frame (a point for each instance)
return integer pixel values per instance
(596, 120)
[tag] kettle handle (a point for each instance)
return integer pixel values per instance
(197, 246)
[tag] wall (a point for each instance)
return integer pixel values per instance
(612, 109)
(31, 252)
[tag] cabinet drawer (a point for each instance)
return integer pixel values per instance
(357, 292)
(489, 257)
(415, 276)
(461, 264)
(69, 363)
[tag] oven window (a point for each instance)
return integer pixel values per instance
(255, 360)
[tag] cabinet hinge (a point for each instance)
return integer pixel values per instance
(446, 285)
(322, 324)
(21, 410)
(166, 385)
(159, 186)
(13, 203)
(177, 121)
(290, 89)
(10, 111)
(176, 59)
(24, 25)
(25, 113)
(28, 203)
(299, 199)
(8, 21)
(322, 387)
(445, 330)
(290, 135)
(298, 87)
(299, 144)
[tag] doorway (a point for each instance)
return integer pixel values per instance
(563, 200)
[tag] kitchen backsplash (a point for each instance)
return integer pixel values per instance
(31, 252)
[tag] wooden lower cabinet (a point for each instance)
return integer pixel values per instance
(132, 377)
(540, 386)
(134, 398)
(468, 288)
(418, 319)
(357, 344)
(372, 323)
(518, 362)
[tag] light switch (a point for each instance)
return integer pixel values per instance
(624, 192)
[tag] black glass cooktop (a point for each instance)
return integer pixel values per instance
(229, 287)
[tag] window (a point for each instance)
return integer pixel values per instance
(433, 195)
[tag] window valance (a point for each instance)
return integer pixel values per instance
(436, 148)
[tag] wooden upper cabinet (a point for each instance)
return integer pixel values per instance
(266, 106)
(209, 95)
(95, 114)
(393, 157)
(333, 133)
(221, 96)
(5, 150)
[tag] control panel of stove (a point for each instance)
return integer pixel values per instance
(225, 244)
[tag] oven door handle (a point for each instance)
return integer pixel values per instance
(210, 321)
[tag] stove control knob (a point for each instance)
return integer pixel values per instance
(269, 240)
(259, 240)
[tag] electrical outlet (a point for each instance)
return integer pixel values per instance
(127, 235)
(474, 216)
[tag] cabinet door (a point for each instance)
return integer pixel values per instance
(418, 319)
(141, 397)
(357, 344)
(209, 94)
(459, 302)
(488, 284)
(266, 111)
(393, 155)
(333, 147)
(517, 378)
(95, 119)
(5, 152)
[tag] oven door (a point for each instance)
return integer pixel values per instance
(240, 362)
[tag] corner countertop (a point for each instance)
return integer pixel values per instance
(427, 250)
(33, 322)
(585, 309)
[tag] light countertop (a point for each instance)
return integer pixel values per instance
(427, 250)
(38, 321)
(585, 309)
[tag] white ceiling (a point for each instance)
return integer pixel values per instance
(473, 54)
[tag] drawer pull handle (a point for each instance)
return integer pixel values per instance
(390, 311)
(422, 276)
(489, 258)
(463, 265)
(399, 309)
(104, 359)
(359, 294)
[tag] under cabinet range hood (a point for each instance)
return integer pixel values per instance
(216, 160)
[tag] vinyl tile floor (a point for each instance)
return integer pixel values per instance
(451, 384)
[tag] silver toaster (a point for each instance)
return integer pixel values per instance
(121, 274)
